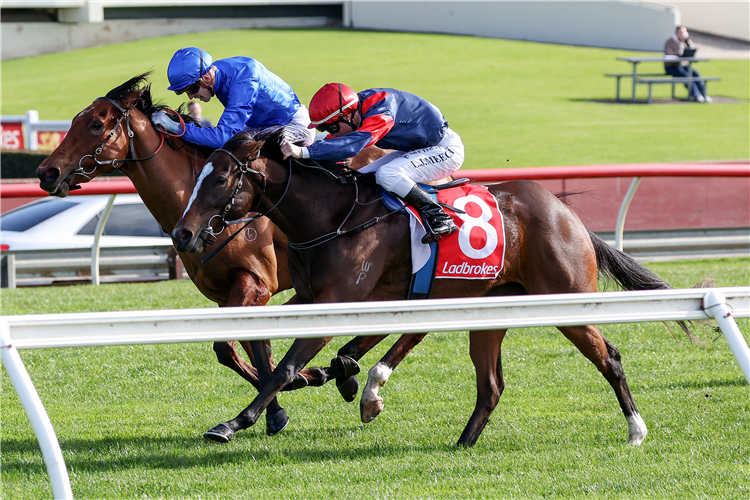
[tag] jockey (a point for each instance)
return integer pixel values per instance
(254, 98)
(391, 119)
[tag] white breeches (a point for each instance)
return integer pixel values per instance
(295, 131)
(399, 172)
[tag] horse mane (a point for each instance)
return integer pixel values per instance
(146, 104)
(272, 149)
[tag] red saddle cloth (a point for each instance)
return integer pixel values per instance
(477, 249)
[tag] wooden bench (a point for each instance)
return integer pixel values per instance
(674, 80)
(627, 75)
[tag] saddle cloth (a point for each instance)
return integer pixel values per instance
(476, 250)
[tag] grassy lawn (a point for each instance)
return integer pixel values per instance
(515, 104)
(129, 418)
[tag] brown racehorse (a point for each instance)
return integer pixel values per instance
(548, 250)
(249, 270)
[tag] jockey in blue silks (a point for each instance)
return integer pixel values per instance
(426, 147)
(254, 99)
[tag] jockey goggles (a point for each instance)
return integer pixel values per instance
(334, 127)
(190, 89)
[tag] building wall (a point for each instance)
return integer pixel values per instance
(722, 18)
(623, 25)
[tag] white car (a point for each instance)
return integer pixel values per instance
(63, 223)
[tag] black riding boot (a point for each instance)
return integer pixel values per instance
(436, 221)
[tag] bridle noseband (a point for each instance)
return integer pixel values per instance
(244, 169)
(115, 162)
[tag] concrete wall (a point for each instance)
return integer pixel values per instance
(622, 25)
(722, 18)
(32, 39)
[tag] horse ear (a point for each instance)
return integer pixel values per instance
(250, 150)
(133, 97)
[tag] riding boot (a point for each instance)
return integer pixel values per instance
(436, 221)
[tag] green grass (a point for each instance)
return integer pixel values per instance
(515, 104)
(129, 418)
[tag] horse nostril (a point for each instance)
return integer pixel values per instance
(50, 175)
(182, 236)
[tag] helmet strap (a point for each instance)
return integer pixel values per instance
(341, 112)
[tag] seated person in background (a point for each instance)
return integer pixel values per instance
(254, 99)
(675, 47)
(195, 110)
(428, 150)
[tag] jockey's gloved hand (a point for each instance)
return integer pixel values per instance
(161, 118)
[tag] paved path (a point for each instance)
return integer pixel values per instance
(717, 47)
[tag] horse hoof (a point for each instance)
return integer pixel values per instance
(277, 422)
(298, 382)
(636, 429)
(347, 366)
(369, 411)
(348, 388)
(219, 434)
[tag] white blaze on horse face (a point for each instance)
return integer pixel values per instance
(207, 169)
(636, 429)
(376, 378)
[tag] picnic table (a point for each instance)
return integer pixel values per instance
(637, 77)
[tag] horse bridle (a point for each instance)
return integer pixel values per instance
(115, 162)
(244, 169)
(208, 234)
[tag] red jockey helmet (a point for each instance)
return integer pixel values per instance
(331, 103)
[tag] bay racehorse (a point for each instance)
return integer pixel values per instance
(548, 250)
(115, 132)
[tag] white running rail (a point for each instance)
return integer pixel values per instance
(370, 318)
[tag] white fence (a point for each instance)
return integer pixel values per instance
(371, 318)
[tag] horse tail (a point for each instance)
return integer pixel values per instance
(614, 265)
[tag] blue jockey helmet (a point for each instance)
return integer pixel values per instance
(187, 66)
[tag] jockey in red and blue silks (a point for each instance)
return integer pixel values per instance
(427, 149)
(254, 98)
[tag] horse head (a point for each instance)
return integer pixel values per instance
(220, 193)
(101, 136)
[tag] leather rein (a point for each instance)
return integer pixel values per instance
(117, 163)
(349, 178)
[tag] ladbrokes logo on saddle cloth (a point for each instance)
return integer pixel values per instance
(477, 249)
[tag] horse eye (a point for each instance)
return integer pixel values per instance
(96, 126)
(222, 180)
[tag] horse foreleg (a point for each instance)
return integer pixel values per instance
(485, 352)
(344, 367)
(371, 404)
(299, 354)
(605, 356)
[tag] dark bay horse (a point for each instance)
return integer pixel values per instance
(249, 270)
(548, 250)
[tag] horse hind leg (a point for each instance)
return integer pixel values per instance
(226, 354)
(371, 404)
(605, 356)
(485, 351)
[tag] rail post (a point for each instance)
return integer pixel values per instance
(715, 305)
(40, 421)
